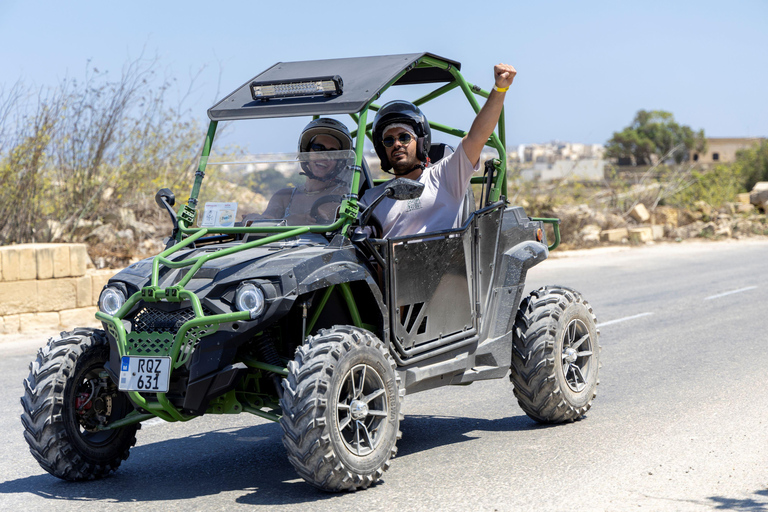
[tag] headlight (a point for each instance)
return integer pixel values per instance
(250, 298)
(111, 300)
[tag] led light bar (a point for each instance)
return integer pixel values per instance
(320, 86)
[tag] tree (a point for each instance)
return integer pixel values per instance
(753, 164)
(654, 137)
(265, 182)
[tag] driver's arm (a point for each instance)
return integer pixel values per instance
(486, 119)
(277, 204)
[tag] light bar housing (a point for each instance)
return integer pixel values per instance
(305, 87)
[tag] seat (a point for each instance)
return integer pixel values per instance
(467, 205)
(439, 151)
(367, 181)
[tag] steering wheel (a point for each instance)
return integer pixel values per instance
(314, 212)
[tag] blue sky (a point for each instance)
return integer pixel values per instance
(584, 68)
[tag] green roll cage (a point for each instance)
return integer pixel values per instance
(349, 208)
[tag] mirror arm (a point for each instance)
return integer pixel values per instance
(166, 199)
(366, 215)
(174, 219)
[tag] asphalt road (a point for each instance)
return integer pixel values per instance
(680, 421)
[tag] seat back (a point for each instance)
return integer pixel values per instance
(439, 151)
(467, 205)
(366, 182)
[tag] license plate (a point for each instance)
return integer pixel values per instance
(150, 374)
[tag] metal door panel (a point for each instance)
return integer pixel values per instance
(431, 290)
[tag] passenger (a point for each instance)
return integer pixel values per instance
(402, 137)
(295, 204)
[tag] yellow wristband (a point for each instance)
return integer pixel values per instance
(499, 89)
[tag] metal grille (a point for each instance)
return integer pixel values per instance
(154, 331)
(151, 319)
(191, 339)
(149, 344)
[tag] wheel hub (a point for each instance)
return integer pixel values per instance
(577, 355)
(362, 407)
(358, 410)
(570, 355)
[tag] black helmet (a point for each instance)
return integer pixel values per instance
(324, 126)
(399, 111)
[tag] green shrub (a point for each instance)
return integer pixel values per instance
(753, 164)
(716, 187)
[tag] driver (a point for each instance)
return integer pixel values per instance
(402, 137)
(315, 201)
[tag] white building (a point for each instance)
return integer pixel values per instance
(558, 160)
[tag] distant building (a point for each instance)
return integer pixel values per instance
(556, 150)
(722, 150)
(558, 160)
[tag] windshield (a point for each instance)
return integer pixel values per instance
(289, 189)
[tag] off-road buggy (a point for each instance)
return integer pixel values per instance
(304, 317)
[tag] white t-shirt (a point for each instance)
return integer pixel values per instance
(439, 206)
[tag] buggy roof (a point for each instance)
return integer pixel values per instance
(364, 79)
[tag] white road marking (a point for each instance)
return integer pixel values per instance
(730, 293)
(623, 319)
(153, 422)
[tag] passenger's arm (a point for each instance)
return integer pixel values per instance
(486, 119)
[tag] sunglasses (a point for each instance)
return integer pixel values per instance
(319, 147)
(404, 138)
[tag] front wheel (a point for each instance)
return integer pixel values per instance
(67, 400)
(341, 409)
(555, 355)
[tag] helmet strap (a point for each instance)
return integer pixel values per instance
(420, 165)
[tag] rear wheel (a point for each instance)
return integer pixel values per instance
(341, 409)
(556, 355)
(67, 398)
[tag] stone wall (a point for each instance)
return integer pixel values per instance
(48, 286)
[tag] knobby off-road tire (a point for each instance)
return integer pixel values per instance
(555, 356)
(65, 400)
(341, 409)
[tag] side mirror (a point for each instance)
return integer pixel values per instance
(164, 195)
(398, 189)
(401, 189)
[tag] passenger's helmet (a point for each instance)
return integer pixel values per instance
(399, 111)
(324, 126)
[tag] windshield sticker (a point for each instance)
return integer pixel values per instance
(219, 215)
